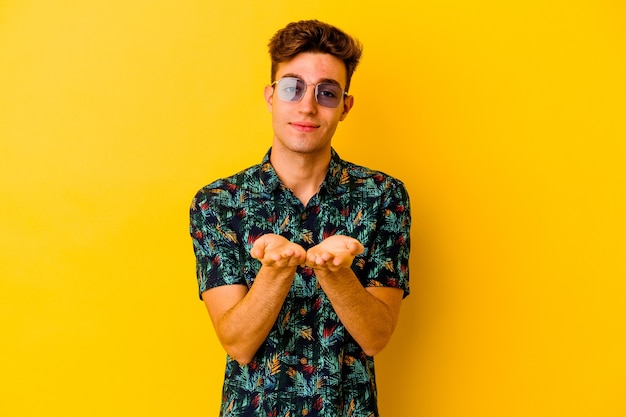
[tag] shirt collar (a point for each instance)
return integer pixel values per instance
(333, 183)
(267, 176)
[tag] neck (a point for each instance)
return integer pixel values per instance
(303, 174)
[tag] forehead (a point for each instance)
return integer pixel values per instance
(314, 67)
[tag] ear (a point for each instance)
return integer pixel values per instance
(269, 96)
(348, 102)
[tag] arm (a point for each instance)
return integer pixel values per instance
(243, 317)
(369, 314)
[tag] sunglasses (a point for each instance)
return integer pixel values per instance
(292, 89)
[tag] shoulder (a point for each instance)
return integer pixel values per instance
(227, 189)
(368, 177)
(242, 179)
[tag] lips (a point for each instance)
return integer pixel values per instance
(304, 126)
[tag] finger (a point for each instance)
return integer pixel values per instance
(325, 258)
(299, 258)
(276, 256)
(355, 247)
(256, 252)
(311, 260)
(301, 253)
(310, 257)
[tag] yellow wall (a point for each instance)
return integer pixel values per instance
(505, 119)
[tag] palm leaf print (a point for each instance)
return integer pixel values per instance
(274, 365)
(307, 333)
(284, 224)
(286, 319)
(389, 265)
(345, 177)
(351, 407)
(307, 236)
(230, 235)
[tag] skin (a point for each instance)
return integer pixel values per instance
(301, 146)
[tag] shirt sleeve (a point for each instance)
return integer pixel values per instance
(387, 264)
(215, 245)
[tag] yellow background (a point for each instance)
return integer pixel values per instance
(505, 119)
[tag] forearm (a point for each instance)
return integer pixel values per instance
(369, 320)
(244, 327)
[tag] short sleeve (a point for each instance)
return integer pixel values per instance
(215, 245)
(387, 264)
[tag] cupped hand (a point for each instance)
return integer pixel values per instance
(276, 251)
(334, 253)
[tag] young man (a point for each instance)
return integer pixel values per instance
(302, 260)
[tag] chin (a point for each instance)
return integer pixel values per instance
(309, 150)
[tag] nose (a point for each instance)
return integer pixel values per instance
(308, 103)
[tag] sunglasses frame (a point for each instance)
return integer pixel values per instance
(306, 86)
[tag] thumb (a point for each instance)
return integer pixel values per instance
(258, 249)
(355, 247)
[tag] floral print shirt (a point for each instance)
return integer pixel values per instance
(309, 364)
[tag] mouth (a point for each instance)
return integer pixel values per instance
(304, 126)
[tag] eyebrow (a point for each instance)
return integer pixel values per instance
(323, 80)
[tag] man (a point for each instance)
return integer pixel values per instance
(302, 260)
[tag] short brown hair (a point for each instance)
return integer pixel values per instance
(314, 36)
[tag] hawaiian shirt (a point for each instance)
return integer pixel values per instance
(309, 365)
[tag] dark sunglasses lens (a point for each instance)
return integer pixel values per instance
(290, 89)
(329, 95)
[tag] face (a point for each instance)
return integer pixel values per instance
(306, 127)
